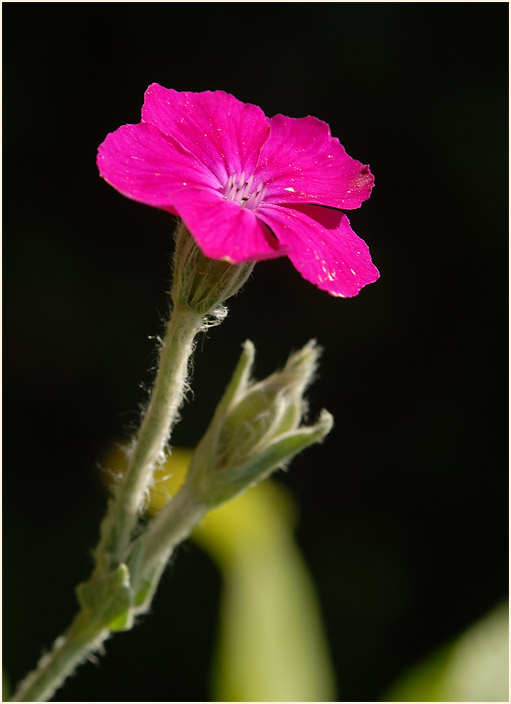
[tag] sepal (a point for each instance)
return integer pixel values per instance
(203, 284)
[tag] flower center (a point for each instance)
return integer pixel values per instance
(243, 192)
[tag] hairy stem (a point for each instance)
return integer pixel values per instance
(152, 437)
(171, 526)
(89, 629)
(115, 591)
(68, 651)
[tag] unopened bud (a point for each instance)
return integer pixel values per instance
(256, 427)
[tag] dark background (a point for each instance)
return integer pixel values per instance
(404, 508)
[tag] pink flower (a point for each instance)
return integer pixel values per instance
(247, 187)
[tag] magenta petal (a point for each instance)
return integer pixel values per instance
(145, 165)
(322, 247)
(302, 163)
(224, 230)
(224, 133)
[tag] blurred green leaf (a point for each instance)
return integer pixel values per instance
(272, 645)
(6, 686)
(473, 668)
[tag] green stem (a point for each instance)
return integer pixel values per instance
(68, 651)
(89, 630)
(199, 290)
(171, 526)
(150, 442)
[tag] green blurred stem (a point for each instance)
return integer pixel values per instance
(150, 442)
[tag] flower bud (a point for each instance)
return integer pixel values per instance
(204, 284)
(256, 427)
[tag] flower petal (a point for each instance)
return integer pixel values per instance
(224, 133)
(302, 163)
(223, 229)
(322, 247)
(147, 166)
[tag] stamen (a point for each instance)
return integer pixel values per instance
(229, 190)
(242, 192)
(256, 198)
(248, 185)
